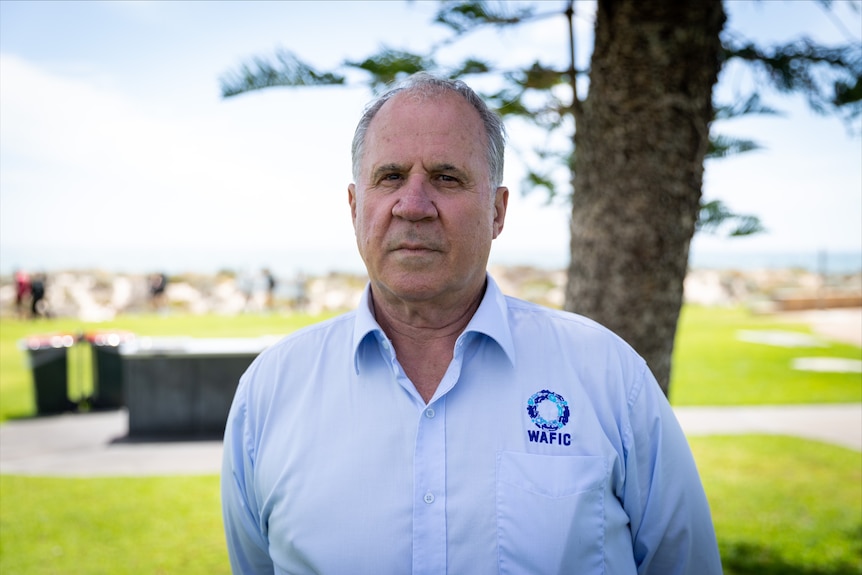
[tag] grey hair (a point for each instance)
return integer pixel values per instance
(425, 84)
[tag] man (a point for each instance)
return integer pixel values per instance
(443, 427)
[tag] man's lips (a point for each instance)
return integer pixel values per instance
(415, 245)
(412, 242)
(415, 248)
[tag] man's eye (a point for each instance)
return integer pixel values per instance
(447, 178)
(391, 177)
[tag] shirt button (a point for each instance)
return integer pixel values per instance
(429, 413)
(429, 498)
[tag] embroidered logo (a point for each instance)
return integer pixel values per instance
(549, 412)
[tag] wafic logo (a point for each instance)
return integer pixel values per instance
(550, 418)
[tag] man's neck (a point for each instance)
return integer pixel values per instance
(424, 335)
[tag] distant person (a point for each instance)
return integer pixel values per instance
(22, 292)
(158, 285)
(271, 284)
(38, 305)
(443, 427)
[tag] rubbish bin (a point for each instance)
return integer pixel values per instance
(48, 361)
(107, 368)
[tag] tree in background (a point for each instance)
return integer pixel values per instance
(637, 139)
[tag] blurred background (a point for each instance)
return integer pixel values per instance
(118, 152)
(134, 199)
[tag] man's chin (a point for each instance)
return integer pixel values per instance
(416, 260)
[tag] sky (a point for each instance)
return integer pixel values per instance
(118, 152)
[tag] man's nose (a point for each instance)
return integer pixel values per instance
(414, 200)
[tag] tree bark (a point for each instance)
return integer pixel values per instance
(639, 149)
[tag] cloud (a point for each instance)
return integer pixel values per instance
(83, 162)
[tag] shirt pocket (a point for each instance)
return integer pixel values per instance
(550, 513)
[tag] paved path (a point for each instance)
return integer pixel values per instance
(842, 324)
(95, 444)
(91, 444)
(840, 424)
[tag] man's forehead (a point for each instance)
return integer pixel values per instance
(442, 132)
(408, 164)
(406, 108)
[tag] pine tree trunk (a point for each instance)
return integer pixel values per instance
(639, 150)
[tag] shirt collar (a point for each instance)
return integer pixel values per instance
(491, 319)
(365, 325)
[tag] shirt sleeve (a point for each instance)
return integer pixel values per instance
(247, 544)
(671, 524)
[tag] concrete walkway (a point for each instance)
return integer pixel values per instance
(843, 324)
(95, 444)
(840, 424)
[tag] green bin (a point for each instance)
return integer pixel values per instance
(48, 357)
(107, 368)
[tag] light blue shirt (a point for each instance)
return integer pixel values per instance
(548, 447)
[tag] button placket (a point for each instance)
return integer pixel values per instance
(429, 484)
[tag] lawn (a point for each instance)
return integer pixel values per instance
(712, 366)
(783, 506)
(111, 526)
(780, 505)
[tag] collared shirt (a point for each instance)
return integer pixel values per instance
(548, 447)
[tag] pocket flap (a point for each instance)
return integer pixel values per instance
(552, 475)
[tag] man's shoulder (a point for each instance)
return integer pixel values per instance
(529, 318)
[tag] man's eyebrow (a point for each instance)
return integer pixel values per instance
(465, 176)
(387, 169)
(446, 168)
(396, 168)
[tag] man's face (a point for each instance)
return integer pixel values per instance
(423, 209)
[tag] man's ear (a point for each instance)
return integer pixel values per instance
(501, 201)
(351, 198)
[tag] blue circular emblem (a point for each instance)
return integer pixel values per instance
(562, 410)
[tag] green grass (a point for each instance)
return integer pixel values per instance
(111, 526)
(711, 366)
(780, 505)
(783, 506)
